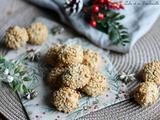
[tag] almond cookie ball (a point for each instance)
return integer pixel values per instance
(66, 99)
(55, 77)
(76, 76)
(96, 86)
(92, 60)
(16, 37)
(151, 72)
(38, 33)
(52, 54)
(146, 93)
(70, 54)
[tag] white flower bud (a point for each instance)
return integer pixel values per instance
(9, 79)
(6, 71)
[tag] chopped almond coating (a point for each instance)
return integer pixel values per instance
(38, 33)
(76, 76)
(146, 93)
(69, 54)
(96, 86)
(52, 54)
(66, 99)
(16, 37)
(151, 72)
(92, 60)
(55, 77)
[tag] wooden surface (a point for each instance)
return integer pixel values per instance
(7, 7)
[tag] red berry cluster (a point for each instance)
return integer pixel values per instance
(93, 15)
(110, 4)
(106, 4)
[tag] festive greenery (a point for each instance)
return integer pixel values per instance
(102, 18)
(10, 72)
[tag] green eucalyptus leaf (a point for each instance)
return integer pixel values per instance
(15, 82)
(17, 69)
(25, 89)
(125, 36)
(11, 84)
(23, 72)
(17, 87)
(27, 79)
(113, 34)
(20, 88)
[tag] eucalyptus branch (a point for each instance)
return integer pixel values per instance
(10, 72)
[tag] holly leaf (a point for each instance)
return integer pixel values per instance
(27, 79)
(25, 89)
(17, 69)
(23, 72)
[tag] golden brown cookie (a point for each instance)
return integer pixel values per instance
(52, 54)
(92, 60)
(66, 99)
(69, 54)
(146, 93)
(16, 37)
(151, 72)
(76, 76)
(55, 77)
(38, 33)
(96, 86)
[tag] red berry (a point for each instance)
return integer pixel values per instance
(95, 8)
(101, 1)
(108, 8)
(93, 23)
(100, 16)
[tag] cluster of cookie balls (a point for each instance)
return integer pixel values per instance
(147, 92)
(74, 69)
(17, 37)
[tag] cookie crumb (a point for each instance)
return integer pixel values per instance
(8, 12)
(109, 88)
(105, 61)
